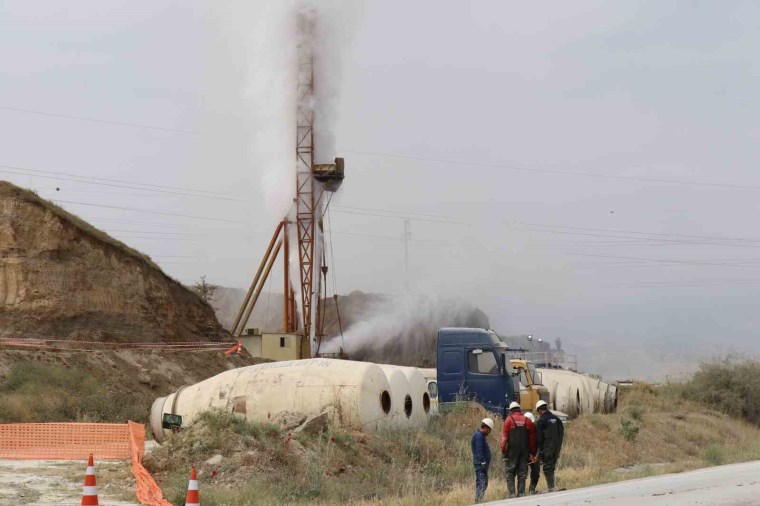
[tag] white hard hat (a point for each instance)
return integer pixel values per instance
(530, 416)
(540, 404)
(514, 405)
(488, 422)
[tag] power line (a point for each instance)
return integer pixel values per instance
(146, 223)
(661, 260)
(400, 217)
(96, 120)
(162, 232)
(383, 237)
(558, 172)
(692, 283)
(153, 238)
(403, 214)
(63, 176)
(149, 211)
(718, 238)
(657, 240)
(153, 193)
(373, 236)
(661, 238)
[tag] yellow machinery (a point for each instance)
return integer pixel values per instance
(531, 384)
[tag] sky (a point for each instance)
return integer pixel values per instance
(584, 170)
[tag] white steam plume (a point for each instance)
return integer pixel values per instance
(402, 329)
(272, 73)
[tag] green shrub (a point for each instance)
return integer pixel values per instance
(629, 429)
(730, 386)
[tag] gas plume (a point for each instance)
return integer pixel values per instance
(272, 75)
(402, 329)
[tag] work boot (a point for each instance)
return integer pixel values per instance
(520, 487)
(550, 481)
(510, 489)
(532, 490)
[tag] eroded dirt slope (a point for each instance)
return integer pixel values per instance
(62, 278)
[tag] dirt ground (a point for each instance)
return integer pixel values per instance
(59, 483)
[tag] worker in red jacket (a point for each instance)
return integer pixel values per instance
(518, 446)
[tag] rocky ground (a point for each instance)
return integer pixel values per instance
(59, 483)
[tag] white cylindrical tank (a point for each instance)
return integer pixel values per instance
(401, 396)
(353, 394)
(420, 396)
(576, 393)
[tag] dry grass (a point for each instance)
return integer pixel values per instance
(433, 466)
(100, 386)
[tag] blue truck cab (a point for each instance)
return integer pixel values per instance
(472, 364)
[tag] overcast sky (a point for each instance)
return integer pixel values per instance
(592, 166)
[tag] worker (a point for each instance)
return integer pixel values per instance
(518, 446)
(549, 435)
(481, 457)
(535, 467)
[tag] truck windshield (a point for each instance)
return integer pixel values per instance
(505, 359)
(535, 377)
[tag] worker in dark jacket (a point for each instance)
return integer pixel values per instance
(535, 467)
(518, 446)
(549, 435)
(481, 457)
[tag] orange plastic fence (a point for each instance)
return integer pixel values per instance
(64, 441)
(146, 489)
(75, 441)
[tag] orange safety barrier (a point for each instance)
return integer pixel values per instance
(75, 441)
(64, 441)
(146, 489)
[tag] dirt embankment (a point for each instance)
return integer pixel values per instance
(62, 278)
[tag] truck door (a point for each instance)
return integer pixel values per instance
(451, 378)
(526, 390)
(485, 380)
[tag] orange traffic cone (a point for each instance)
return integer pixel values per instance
(193, 499)
(90, 489)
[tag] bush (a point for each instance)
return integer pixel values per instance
(629, 429)
(730, 386)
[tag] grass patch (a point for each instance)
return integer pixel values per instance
(37, 392)
(636, 413)
(714, 455)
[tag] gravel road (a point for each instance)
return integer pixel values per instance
(734, 485)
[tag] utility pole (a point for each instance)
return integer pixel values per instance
(406, 238)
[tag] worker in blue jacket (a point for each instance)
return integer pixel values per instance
(481, 457)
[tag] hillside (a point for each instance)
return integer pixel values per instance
(433, 466)
(61, 278)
